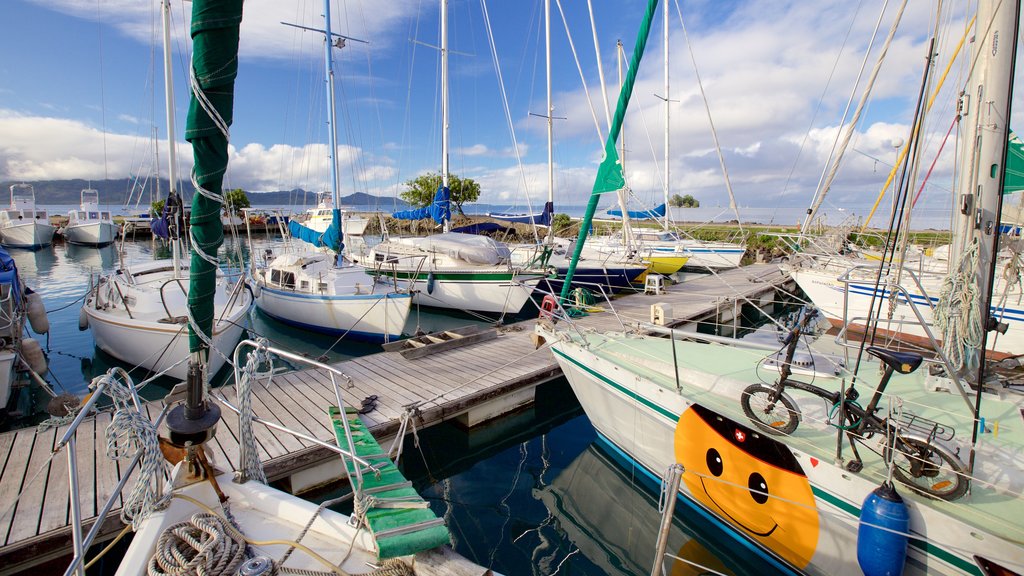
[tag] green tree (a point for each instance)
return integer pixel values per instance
(156, 208)
(420, 191)
(235, 200)
(683, 201)
(561, 222)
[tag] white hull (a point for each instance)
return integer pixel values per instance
(91, 234)
(712, 255)
(142, 335)
(492, 292)
(7, 358)
(26, 235)
(265, 514)
(827, 293)
(643, 420)
(374, 317)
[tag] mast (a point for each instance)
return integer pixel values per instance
(444, 101)
(550, 114)
(215, 29)
(985, 105)
(667, 106)
(332, 134)
(627, 229)
(172, 153)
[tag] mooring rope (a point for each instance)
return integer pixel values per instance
(956, 314)
(128, 433)
(252, 466)
(204, 545)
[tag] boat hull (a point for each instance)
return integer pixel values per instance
(369, 317)
(91, 234)
(27, 235)
(829, 295)
(595, 278)
(653, 426)
(490, 292)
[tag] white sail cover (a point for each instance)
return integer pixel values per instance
(468, 247)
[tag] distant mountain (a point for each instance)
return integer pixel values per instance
(119, 192)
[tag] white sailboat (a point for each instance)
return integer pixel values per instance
(22, 225)
(308, 283)
(207, 520)
(320, 217)
(453, 270)
(797, 471)
(139, 313)
(90, 225)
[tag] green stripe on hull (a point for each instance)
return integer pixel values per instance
(457, 276)
(925, 547)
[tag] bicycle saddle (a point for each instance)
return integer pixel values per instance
(902, 362)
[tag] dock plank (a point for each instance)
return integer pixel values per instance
(29, 513)
(13, 479)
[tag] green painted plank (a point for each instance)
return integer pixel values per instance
(431, 534)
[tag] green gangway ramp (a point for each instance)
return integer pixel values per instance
(401, 521)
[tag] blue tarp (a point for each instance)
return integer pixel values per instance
(542, 219)
(657, 212)
(9, 274)
(440, 210)
(482, 227)
(328, 238)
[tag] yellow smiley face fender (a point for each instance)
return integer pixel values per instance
(749, 479)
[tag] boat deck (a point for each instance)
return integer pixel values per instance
(433, 388)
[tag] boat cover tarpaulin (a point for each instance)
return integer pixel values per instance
(329, 238)
(1013, 180)
(9, 274)
(467, 247)
(483, 228)
(654, 213)
(440, 209)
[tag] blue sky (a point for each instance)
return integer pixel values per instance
(77, 96)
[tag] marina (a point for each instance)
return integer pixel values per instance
(506, 370)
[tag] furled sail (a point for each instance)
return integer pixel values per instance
(440, 209)
(542, 219)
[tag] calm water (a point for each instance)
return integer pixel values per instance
(530, 493)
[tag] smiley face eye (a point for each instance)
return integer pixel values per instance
(714, 462)
(758, 488)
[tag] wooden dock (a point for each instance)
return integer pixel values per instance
(473, 383)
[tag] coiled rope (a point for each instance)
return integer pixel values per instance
(129, 432)
(956, 314)
(205, 544)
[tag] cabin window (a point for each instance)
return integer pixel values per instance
(94, 215)
(323, 287)
(105, 215)
(41, 215)
(288, 279)
(304, 285)
(275, 277)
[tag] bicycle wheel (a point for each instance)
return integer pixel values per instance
(775, 417)
(928, 468)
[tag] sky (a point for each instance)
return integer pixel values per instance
(81, 96)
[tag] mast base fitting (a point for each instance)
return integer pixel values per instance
(192, 432)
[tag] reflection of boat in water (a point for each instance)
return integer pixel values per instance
(35, 263)
(101, 258)
(614, 523)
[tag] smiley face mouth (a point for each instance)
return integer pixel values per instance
(734, 520)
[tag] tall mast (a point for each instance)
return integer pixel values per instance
(172, 154)
(550, 114)
(627, 230)
(667, 106)
(444, 99)
(332, 133)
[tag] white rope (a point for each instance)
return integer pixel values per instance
(252, 467)
(128, 433)
(203, 545)
(956, 314)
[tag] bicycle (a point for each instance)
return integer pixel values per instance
(914, 448)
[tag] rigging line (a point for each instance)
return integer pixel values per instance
(600, 67)
(707, 109)
(851, 126)
(931, 101)
(508, 113)
(583, 79)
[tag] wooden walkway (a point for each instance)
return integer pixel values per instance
(441, 386)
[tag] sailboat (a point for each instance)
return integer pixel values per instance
(209, 521)
(22, 225)
(90, 225)
(819, 496)
(454, 270)
(139, 313)
(309, 283)
(321, 216)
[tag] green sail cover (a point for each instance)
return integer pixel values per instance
(1013, 180)
(609, 174)
(215, 26)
